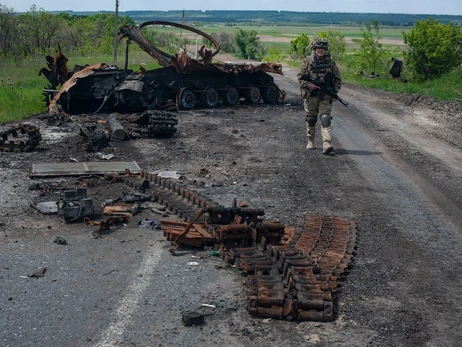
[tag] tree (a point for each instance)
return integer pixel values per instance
(40, 31)
(226, 41)
(8, 23)
(337, 44)
(371, 52)
(433, 49)
(249, 45)
(300, 46)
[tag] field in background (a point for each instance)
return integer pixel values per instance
(280, 36)
(21, 87)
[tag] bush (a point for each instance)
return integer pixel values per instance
(249, 45)
(337, 44)
(371, 54)
(434, 49)
(300, 46)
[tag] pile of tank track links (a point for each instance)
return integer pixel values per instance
(21, 138)
(294, 278)
(152, 123)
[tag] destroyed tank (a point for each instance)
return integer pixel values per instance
(181, 82)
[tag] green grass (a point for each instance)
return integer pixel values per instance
(20, 89)
(441, 89)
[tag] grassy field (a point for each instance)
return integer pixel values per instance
(292, 32)
(21, 86)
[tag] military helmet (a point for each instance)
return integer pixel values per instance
(320, 43)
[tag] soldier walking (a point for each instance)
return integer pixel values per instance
(323, 71)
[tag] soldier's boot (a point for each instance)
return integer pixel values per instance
(326, 133)
(310, 132)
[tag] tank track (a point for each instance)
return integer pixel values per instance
(177, 198)
(297, 281)
(153, 123)
(293, 279)
(22, 138)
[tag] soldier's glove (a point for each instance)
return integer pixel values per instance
(312, 86)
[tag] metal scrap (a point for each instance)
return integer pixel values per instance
(21, 138)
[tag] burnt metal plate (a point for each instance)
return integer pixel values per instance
(84, 168)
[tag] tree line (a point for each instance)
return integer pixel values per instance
(286, 18)
(432, 48)
(38, 32)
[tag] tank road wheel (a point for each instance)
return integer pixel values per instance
(270, 94)
(230, 96)
(210, 97)
(186, 99)
(252, 94)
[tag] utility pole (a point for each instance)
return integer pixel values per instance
(116, 29)
(182, 22)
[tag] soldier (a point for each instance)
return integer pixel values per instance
(322, 70)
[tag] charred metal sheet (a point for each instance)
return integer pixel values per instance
(84, 168)
(21, 138)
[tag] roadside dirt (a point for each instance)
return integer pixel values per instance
(396, 171)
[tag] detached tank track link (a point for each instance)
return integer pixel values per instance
(175, 197)
(297, 280)
(22, 138)
(153, 123)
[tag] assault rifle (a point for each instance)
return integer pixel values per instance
(324, 88)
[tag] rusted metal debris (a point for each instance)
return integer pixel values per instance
(293, 273)
(121, 210)
(107, 225)
(21, 138)
(182, 82)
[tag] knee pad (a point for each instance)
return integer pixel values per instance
(311, 120)
(325, 120)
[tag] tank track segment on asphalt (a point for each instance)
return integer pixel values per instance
(295, 279)
(21, 138)
(177, 198)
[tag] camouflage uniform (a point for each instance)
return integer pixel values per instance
(322, 70)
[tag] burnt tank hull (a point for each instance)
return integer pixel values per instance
(182, 82)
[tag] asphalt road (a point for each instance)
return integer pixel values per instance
(125, 289)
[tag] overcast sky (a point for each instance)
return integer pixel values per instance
(453, 7)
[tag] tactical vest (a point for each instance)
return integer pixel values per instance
(322, 72)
